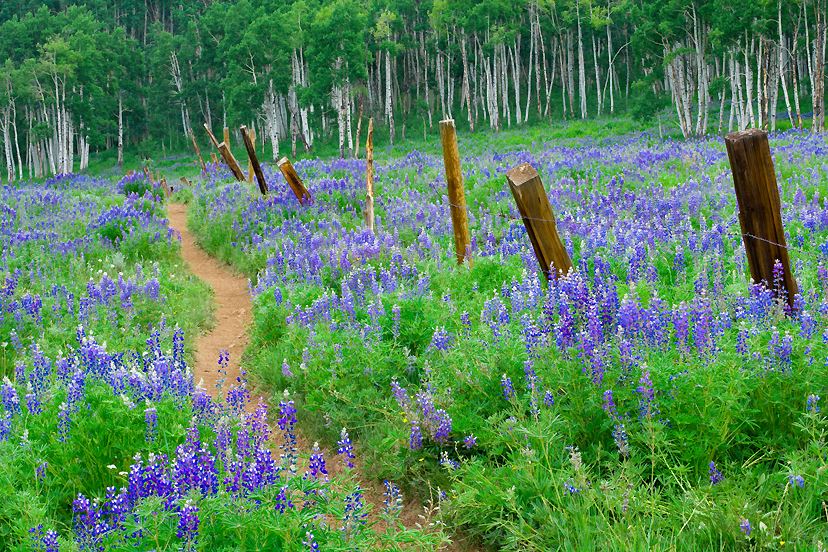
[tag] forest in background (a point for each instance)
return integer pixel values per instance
(93, 75)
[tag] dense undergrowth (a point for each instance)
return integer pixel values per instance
(652, 399)
(106, 443)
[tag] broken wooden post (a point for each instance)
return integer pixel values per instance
(231, 162)
(251, 154)
(214, 158)
(533, 204)
(212, 136)
(456, 194)
(760, 218)
(198, 152)
(186, 182)
(227, 136)
(369, 176)
(293, 180)
(252, 133)
(167, 189)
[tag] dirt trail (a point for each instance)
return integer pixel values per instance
(233, 312)
(233, 316)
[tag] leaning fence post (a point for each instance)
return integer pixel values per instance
(533, 204)
(231, 162)
(198, 152)
(293, 180)
(254, 162)
(760, 218)
(252, 133)
(456, 194)
(369, 176)
(211, 135)
(227, 136)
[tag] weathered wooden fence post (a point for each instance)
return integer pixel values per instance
(760, 218)
(214, 158)
(198, 152)
(254, 162)
(533, 204)
(227, 136)
(231, 161)
(293, 180)
(369, 176)
(211, 135)
(456, 194)
(252, 134)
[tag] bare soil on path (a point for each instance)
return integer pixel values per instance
(233, 316)
(233, 309)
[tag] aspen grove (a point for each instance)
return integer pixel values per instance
(115, 73)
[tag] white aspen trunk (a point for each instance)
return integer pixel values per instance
(570, 68)
(16, 138)
(270, 120)
(532, 56)
(389, 102)
(597, 75)
(581, 65)
(441, 87)
(781, 60)
(542, 47)
(120, 129)
(761, 84)
(749, 87)
(610, 68)
(516, 79)
(466, 91)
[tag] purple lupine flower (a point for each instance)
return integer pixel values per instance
(609, 404)
(442, 421)
(345, 448)
(508, 388)
(151, 419)
(647, 395)
(395, 329)
(440, 340)
(188, 523)
(415, 440)
(744, 526)
(548, 399)
(283, 501)
(716, 476)
(812, 403)
(43, 541)
(316, 464)
(353, 519)
(286, 369)
(310, 542)
(9, 398)
(619, 435)
(470, 441)
(796, 480)
(393, 501)
(570, 488)
(40, 471)
(400, 394)
(287, 423)
(447, 462)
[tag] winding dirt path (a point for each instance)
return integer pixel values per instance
(233, 316)
(233, 310)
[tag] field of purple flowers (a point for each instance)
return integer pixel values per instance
(652, 399)
(106, 442)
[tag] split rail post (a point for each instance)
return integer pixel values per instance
(214, 158)
(538, 218)
(227, 136)
(198, 152)
(231, 161)
(252, 133)
(760, 217)
(456, 193)
(369, 177)
(293, 180)
(254, 162)
(167, 189)
(211, 135)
